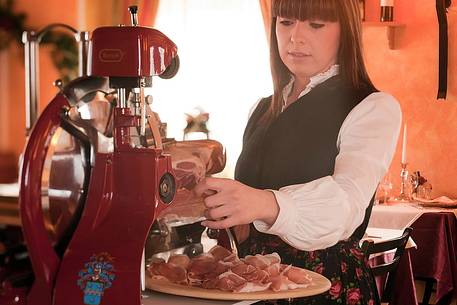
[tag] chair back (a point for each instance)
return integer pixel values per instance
(390, 268)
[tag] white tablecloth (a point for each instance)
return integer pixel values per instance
(396, 217)
(401, 215)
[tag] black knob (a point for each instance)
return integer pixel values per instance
(133, 14)
(58, 83)
(133, 9)
(193, 250)
(167, 188)
(213, 233)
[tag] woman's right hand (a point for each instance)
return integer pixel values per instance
(230, 203)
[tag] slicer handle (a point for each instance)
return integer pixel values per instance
(45, 261)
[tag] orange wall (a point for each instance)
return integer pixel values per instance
(12, 87)
(410, 73)
(13, 96)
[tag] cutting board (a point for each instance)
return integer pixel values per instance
(319, 285)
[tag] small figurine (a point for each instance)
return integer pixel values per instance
(197, 122)
(420, 187)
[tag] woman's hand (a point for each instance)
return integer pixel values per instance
(230, 203)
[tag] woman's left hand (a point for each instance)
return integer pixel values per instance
(230, 203)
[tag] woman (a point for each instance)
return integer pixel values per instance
(313, 152)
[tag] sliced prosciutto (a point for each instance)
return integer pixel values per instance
(202, 264)
(219, 253)
(273, 269)
(243, 269)
(258, 261)
(273, 258)
(229, 281)
(154, 266)
(282, 283)
(170, 271)
(224, 270)
(181, 260)
(298, 275)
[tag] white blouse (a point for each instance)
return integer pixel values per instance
(318, 214)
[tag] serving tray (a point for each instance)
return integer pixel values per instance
(319, 285)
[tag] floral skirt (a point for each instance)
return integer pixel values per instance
(343, 264)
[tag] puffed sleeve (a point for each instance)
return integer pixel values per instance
(318, 214)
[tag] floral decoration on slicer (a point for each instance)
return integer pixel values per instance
(96, 276)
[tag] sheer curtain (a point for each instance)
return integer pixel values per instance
(224, 67)
(265, 6)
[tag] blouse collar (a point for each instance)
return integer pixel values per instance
(313, 82)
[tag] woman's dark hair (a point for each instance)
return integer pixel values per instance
(350, 55)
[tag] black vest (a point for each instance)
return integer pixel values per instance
(299, 146)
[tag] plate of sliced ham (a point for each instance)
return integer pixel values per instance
(219, 274)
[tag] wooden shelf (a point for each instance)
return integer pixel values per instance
(387, 23)
(391, 26)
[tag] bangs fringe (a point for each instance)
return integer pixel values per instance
(325, 10)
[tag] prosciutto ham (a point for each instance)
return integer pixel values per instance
(180, 260)
(297, 275)
(219, 253)
(168, 271)
(223, 270)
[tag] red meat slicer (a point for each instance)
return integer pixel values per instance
(109, 178)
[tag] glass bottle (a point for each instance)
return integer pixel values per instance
(387, 10)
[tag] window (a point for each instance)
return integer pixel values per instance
(224, 67)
